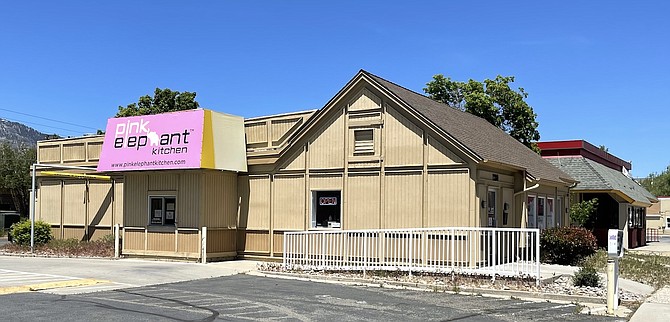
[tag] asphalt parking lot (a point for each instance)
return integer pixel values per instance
(246, 297)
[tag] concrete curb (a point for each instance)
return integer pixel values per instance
(525, 295)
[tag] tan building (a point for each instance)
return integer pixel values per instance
(658, 215)
(375, 156)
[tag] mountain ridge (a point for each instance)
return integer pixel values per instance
(18, 134)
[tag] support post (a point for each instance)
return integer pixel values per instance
(117, 237)
(612, 285)
(203, 245)
(32, 212)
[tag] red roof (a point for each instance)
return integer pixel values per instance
(582, 148)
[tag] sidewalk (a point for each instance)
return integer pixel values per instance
(657, 306)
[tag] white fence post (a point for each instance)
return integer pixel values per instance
(117, 237)
(365, 252)
(537, 257)
(203, 245)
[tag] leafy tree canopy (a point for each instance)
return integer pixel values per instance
(658, 183)
(492, 100)
(163, 101)
(582, 213)
(15, 175)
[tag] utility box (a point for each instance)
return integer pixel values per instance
(615, 243)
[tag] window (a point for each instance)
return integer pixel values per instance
(531, 212)
(541, 223)
(550, 212)
(162, 210)
(364, 142)
(326, 209)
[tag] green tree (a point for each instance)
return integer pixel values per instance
(15, 175)
(493, 100)
(658, 183)
(164, 100)
(582, 213)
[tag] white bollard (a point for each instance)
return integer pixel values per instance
(612, 285)
(117, 238)
(203, 243)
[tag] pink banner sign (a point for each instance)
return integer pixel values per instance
(152, 142)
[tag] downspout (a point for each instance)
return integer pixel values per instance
(527, 189)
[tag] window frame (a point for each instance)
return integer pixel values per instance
(313, 204)
(164, 211)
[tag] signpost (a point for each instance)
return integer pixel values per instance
(614, 252)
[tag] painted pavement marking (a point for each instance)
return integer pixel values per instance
(20, 282)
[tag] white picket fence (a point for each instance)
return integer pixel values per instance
(463, 250)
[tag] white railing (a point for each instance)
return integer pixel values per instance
(463, 250)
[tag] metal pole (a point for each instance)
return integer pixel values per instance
(32, 212)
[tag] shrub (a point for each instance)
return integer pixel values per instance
(20, 232)
(586, 276)
(566, 245)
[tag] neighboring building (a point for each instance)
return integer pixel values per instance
(622, 202)
(375, 156)
(658, 214)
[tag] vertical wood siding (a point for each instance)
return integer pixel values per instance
(74, 232)
(365, 100)
(118, 202)
(188, 242)
(189, 199)
(93, 151)
(296, 161)
(96, 233)
(49, 153)
(447, 199)
(163, 181)
(220, 204)
(508, 197)
(403, 141)
(280, 128)
(135, 200)
(49, 202)
(133, 239)
(100, 203)
(74, 152)
(254, 202)
(439, 154)
(325, 182)
(325, 149)
(363, 201)
(221, 240)
(256, 132)
(161, 241)
(403, 200)
(74, 207)
(254, 241)
(288, 199)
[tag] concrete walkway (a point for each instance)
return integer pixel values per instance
(657, 306)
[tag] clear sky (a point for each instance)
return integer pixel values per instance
(595, 70)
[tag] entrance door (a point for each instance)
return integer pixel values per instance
(491, 205)
(326, 209)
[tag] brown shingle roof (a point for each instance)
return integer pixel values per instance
(484, 139)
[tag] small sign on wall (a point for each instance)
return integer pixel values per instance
(328, 201)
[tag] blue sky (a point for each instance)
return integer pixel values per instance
(595, 70)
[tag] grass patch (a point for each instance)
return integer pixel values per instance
(103, 247)
(650, 269)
